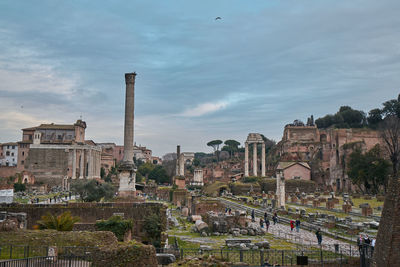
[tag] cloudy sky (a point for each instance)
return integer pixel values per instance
(264, 64)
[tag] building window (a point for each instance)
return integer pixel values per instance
(12, 154)
(30, 137)
(13, 147)
(8, 153)
(23, 153)
(22, 162)
(8, 147)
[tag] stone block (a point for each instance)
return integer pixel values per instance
(330, 205)
(366, 211)
(346, 208)
(185, 212)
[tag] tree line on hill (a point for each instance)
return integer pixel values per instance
(347, 117)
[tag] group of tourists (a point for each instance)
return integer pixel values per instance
(367, 243)
(293, 224)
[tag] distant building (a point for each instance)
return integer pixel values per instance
(295, 170)
(142, 153)
(55, 153)
(329, 147)
(9, 154)
(112, 154)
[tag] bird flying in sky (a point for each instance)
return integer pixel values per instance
(217, 18)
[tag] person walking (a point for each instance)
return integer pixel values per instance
(291, 225)
(360, 242)
(319, 236)
(261, 223)
(275, 219)
(267, 224)
(265, 216)
(372, 245)
(297, 225)
(253, 217)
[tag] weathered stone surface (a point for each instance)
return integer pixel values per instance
(165, 259)
(263, 244)
(201, 226)
(195, 218)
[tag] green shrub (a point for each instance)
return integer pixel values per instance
(63, 222)
(19, 187)
(115, 224)
(250, 179)
(152, 226)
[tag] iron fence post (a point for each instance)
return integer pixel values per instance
(261, 257)
(340, 258)
(322, 257)
(241, 255)
(283, 258)
(11, 251)
(181, 253)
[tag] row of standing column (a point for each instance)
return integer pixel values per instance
(255, 165)
(91, 164)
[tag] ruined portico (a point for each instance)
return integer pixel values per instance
(254, 139)
(127, 170)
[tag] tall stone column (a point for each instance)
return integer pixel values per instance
(73, 163)
(127, 171)
(90, 164)
(280, 189)
(182, 165)
(129, 117)
(263, 159)
(178, 155)
(81, 164)
(255, 159)
(246, 160)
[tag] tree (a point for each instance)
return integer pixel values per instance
(346, 117)
(19, 187)
(215, 145)
(145, 169)
(369, 171)
(159, 174)
(390, 133)
(232, 146)
(92, 190)
(102, 173)
(63, 222)
(392, 107)
(374, 117)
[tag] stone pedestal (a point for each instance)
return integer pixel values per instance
(346, 208)
(127, 178)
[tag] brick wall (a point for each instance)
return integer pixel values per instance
(90, 212)
(6, 171)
